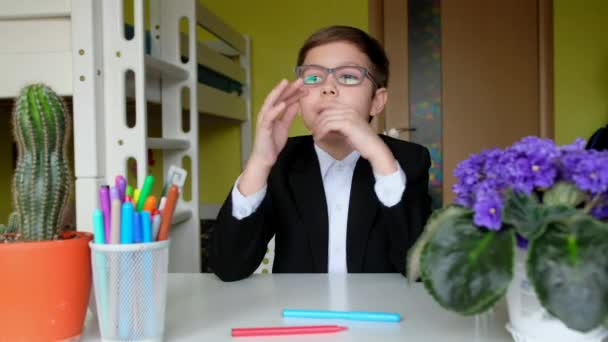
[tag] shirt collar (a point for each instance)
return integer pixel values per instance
(326, 161)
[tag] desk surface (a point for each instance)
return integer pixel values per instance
(201, 307)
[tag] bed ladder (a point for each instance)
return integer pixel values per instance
(102, 127)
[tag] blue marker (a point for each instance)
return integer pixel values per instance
(146, 226)
(137, 233)
(100, 263)
(352, 315)
(126, 225)
(148, 311)
(126, 274)
(98, 227)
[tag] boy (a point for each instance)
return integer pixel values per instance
(343, 199)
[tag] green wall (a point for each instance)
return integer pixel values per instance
(581, 68)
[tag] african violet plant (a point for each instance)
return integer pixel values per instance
(551, 201)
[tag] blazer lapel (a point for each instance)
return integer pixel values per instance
(362, 210)
(309, 195)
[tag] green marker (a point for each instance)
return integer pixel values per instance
(145, 192)
(129, 191)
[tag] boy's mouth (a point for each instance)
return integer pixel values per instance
(324, 108)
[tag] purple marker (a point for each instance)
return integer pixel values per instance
(121, 186)
(104, 200)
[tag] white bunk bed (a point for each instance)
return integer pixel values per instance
(78, 48)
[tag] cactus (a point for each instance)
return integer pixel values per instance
(13, 223)
(42, 180)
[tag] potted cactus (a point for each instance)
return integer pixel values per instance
(46, 272)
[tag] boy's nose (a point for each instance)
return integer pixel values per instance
(329, 86)
(329, 91)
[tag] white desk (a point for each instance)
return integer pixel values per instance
(200, 307)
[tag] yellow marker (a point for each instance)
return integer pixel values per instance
(136, 195)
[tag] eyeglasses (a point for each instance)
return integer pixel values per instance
(348, 75)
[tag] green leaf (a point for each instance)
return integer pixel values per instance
(465, 268)
(529, 217)
(568, 266)
(438, 217)
(564, 193)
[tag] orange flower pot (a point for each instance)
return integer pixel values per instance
(44, 288)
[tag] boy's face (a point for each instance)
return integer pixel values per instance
(362, 100)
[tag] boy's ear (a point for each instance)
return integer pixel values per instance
(379, 101)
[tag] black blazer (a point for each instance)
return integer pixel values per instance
(295, 211)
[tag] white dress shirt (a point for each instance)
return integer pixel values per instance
(337, 178)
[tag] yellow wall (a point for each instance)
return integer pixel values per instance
(277, 29)
(581, 68)
(6, 172)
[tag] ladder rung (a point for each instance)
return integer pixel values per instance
(168, 144)
(165, 69)
(181, 216)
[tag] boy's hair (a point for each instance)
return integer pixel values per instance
(365, 43)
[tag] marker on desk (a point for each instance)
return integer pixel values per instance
(145, 192)
(104, 200)
(287, 330)
(165, 223)
(352, 315)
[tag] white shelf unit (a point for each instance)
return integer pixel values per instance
(78, 48)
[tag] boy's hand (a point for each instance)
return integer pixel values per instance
(272, 129)
(360, 135)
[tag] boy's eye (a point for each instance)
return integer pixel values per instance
(312, 79)
(349, 79)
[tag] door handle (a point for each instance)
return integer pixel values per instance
(395, 131)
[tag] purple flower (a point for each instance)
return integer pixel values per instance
(470, 172)
(587, 169)
(577, 145)
(600, 212)
(531, 163)
(488, 212)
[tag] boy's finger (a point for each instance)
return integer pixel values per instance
(296, 96)
(291, 89)
(275, 111)
(290, 114)
(273, 95)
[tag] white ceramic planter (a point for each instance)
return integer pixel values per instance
(529, 321)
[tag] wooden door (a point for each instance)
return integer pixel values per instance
(495, 78)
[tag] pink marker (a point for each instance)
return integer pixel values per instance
(104, 200)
